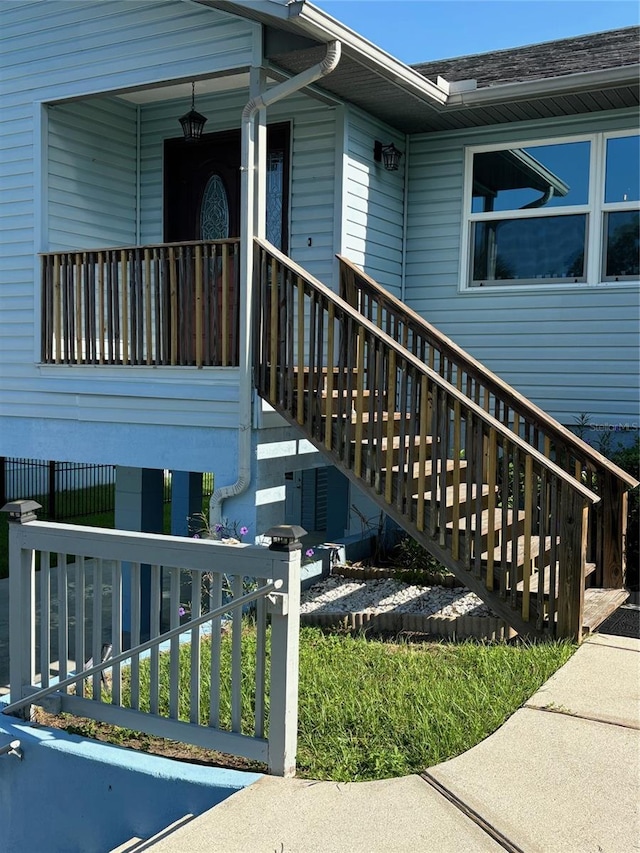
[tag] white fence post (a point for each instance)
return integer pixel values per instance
(22, 604)
(284, 607)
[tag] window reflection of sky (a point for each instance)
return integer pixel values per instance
(568, 161)
(623, 169)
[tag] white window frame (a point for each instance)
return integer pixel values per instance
(595, 210)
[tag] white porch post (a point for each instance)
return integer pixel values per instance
(22, 601)
(285, 644)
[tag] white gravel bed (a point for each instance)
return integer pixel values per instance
(345, 595)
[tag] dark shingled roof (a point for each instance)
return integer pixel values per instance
(595, 52)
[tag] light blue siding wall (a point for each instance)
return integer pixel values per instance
(62, 49)
(374, 202)
(571, 350)
(312, 168)
(91, 174)
(97, 46)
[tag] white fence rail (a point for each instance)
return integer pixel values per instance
(89, 596)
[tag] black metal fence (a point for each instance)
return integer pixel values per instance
(65, 489)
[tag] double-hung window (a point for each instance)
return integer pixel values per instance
(558, 212)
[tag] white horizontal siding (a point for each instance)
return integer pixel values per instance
(569, 350)
(373, 202)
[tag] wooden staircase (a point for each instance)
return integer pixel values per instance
(520, 510)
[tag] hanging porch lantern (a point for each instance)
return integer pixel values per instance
(192, 122)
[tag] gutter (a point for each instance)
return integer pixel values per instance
(247, 231)
(585, 81)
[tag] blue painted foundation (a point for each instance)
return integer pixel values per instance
(69, 793)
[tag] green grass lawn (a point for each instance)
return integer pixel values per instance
(370, 709)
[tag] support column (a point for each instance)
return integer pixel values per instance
(186, 500)
(139, 505)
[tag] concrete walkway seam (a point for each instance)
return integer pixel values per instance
(473, 815)
(617, 723)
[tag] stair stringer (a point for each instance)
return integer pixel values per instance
(457, 567)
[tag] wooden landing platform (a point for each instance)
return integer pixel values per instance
(599, 604)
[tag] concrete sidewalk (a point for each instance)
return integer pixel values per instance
(562, 775)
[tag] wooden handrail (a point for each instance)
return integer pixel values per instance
(424, 369)
(501, 389)
(228, 240)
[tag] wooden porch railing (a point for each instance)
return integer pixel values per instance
(520, 415)
(166, 304)
(498, 512)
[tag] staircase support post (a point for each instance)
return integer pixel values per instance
(572, 559)
(614, 531)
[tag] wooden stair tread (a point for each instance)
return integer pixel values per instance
(450, 466)
(450, 494)
(599, 604)
(534, 579)
(384, 442)
(485, 521)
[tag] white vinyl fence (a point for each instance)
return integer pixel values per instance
(74, 612)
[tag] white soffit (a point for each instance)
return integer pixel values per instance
(176, 91)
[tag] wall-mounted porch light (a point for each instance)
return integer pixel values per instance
(192, 122)
(388, 155)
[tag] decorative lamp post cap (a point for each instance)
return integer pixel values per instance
(285, 537)
(21, 512)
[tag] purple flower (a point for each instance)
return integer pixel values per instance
(218, 528)
(181, 611)
(309, 552)
(244, 531)
(196, 536)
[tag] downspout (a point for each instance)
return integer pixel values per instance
(247, 231)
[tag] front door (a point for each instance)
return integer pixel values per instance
(202, 202)
(202, 187)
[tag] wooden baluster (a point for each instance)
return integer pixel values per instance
(422, 452)
(76, 355)
(147, 304)
(515, 486)
(573, 551)
(174, 319)
(543, 551)
(328, 428)
(57, 309)
(199, 306)
(289, 346)
(457, 453)
(224, 319)
(316, 398)
(359, 404)
(273, 333)
(301, 358)
(235, 297)
(554, 526)
(528, 523)
(101, 320)
(388, 486)
(614, 513)
(492, 460)
(125, 307)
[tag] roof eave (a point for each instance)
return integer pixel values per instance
(322, 27)
(564, 85)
